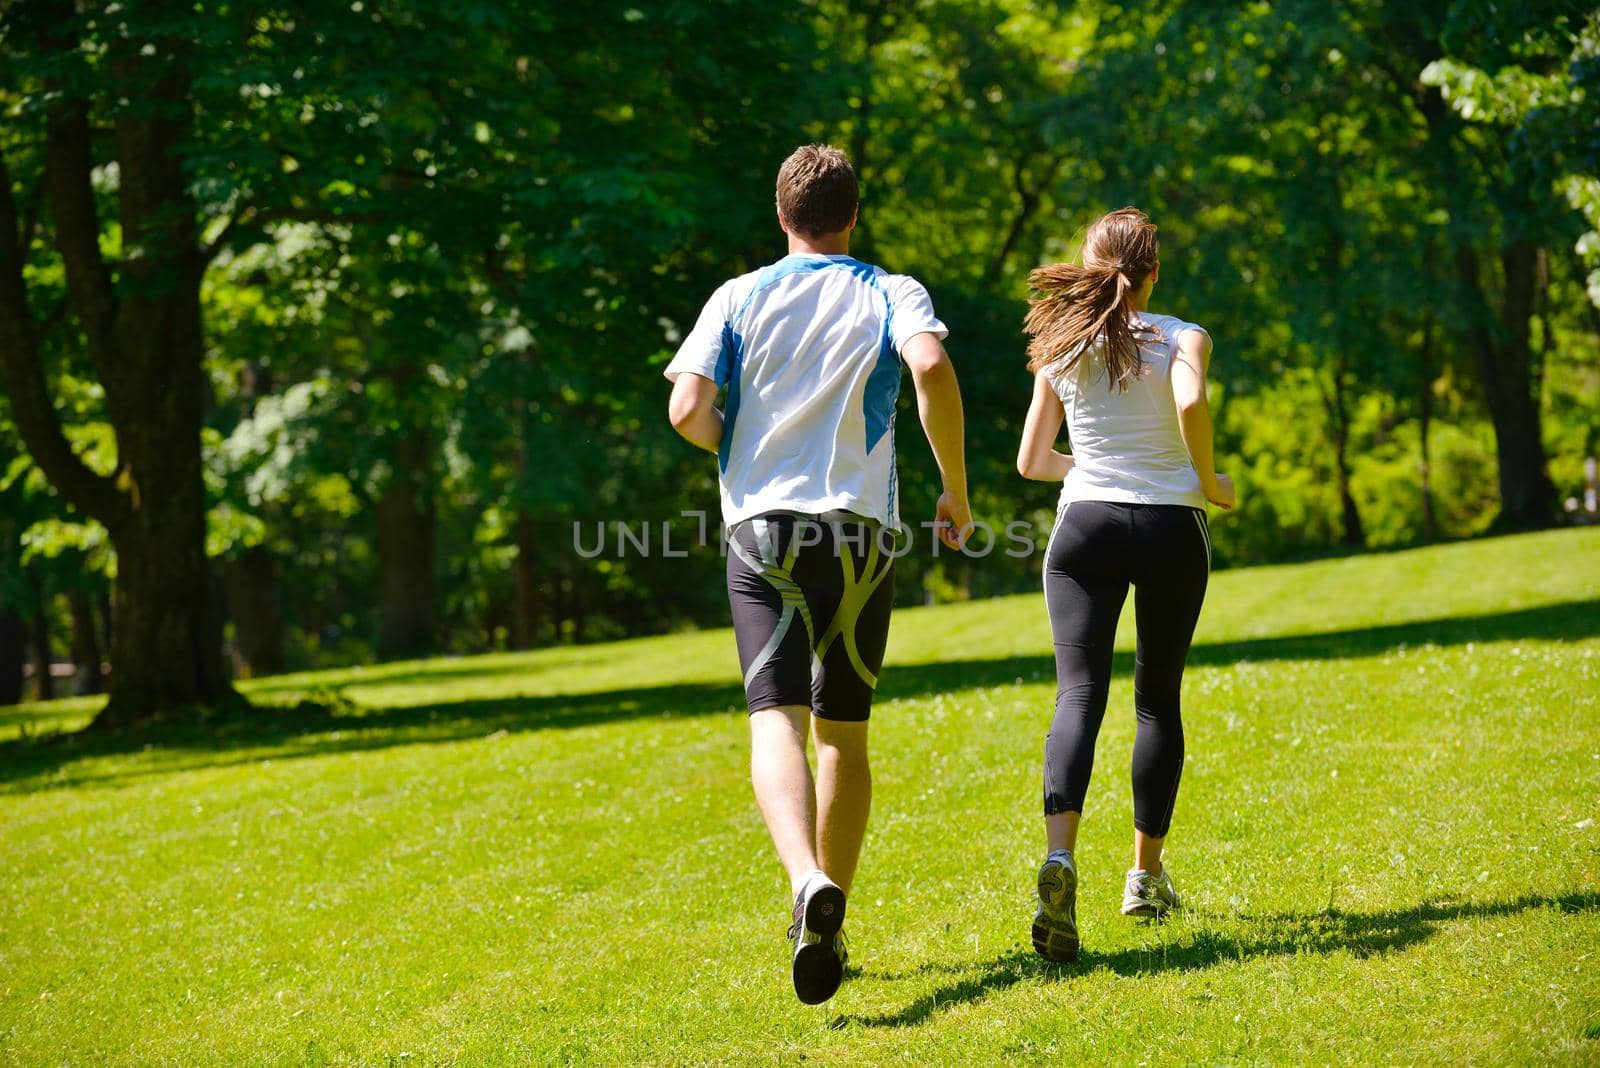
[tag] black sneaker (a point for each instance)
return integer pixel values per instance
(819, 952)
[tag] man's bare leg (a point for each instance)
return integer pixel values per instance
(784, 789)
(844, 796)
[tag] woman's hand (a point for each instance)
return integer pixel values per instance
(1220, 492)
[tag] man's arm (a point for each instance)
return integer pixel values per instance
(1189, 368)
(693, 412)
(939, 406)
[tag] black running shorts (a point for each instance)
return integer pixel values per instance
(810, 598)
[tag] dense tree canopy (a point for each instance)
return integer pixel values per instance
(335, 332)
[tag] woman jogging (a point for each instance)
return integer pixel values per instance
(1131, 387)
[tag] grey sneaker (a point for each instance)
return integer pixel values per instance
(819, 950)
(1055, 924)
(1149, 895)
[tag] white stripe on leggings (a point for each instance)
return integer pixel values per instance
(1205, 536)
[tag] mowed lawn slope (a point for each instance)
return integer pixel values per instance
(1387, 837)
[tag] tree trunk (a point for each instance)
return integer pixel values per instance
(166, 650)
(525, 615)
(251, 587)
(1354, 536)
(1505, 367)
(142, 333)
(85, 644)
(1497, 334)
(1430, 521)
(1336, 400)
(13, 655)
(406, 537)
(494, 622)
(525, 574)
(107, 627)
(43, 685)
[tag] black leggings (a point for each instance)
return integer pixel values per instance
(1096, 550)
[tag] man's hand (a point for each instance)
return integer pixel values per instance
(939, 405)
(1220, 492)
(952, 517)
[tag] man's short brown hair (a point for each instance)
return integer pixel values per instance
(817, 191)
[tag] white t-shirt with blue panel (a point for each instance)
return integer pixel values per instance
(809, 350)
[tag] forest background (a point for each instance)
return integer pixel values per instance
(334, 333)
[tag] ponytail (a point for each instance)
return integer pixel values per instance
(1073, 306)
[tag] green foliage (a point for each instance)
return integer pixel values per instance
(1534, 73)
(455, 244)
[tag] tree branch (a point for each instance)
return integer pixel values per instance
(494, 269)
(69, 167)
(56, 316)
(249, 215)
(30, 218)
(1480, 339)
(1029, 200)
(220, 242)
(22, 371)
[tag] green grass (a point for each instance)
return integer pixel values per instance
(1387, 835)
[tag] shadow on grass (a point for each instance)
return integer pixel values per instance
(1563, 621)
(268, 732)
(444, 669)
(336, 725)
(1363, 934)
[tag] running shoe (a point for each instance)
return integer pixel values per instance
(819, 950)
(1149, 895)
(1055, 924)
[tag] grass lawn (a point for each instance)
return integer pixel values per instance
(1388, 837)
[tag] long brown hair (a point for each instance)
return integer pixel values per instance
(1074, 305)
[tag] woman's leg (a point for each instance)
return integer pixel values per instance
(1085, 586)
(1084, 591)
(1167, 599)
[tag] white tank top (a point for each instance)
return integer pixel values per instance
(1126, 445)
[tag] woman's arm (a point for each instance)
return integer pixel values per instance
(1189, 367)
(1037, 456)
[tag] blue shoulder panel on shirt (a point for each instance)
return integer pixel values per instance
(783, 269)
(724, 357)
(733, 352)
(883, 383)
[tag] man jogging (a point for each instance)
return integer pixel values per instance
(809, 350)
